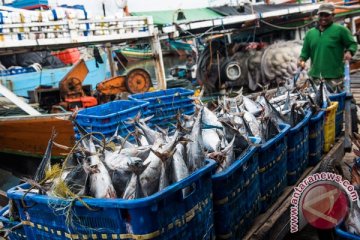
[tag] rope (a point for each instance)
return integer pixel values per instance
(62, 169)
(77, 143)
(286, 28)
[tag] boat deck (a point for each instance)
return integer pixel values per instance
(275, 223)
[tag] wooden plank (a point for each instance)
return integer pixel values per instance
(275, 223)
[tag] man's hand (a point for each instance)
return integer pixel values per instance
(301, 64)
(347, 56)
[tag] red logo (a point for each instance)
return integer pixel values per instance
(324, 205)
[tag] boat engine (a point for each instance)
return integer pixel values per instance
(252, 65)
(135, 81)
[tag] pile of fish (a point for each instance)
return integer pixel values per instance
(156, 158)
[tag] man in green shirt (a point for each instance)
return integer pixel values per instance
(327, 46)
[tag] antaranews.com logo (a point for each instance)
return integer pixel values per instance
(322, 200)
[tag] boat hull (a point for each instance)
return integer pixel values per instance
(135, 54)
(20, 84)
(29, 136)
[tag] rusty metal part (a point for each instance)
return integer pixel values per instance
(112, 86)
(138, 80)
(71, 85)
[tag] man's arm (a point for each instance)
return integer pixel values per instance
(349, 42)
(305, 52)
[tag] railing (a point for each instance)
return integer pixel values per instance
(64, 33)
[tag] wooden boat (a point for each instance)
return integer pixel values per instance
(29, 135)
(136, 53)
(141, 52)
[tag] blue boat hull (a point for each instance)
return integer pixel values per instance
(20, 84)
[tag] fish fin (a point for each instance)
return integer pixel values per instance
(163, 156)
(46, 160)
(163, 131)
(356, 135)
(63, 147)
(74, 114)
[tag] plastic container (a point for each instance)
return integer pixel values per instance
(17, 233)
(340, 98)
(167, 117)
(106, 118)
(165, 215)
(165, 104)
(345, 235)
(123, 130)
(68, 56)
(111, 113)
(273, 168)
(236, 194)
(329, 126)
(164, 97)
(316, 137)
(298, 149)
(161, 101)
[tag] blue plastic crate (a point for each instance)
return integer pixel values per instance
(168, 121)
(235, 191)
(316, 137)
(273, 167)
(170, 111)
(169, 105)
(344, 234)
(110, 114)
(253, 198)
(274, 192)
(28, 3)
(108, 129)
(298, 149)
(16, 234)
(166, 103)
(123, 130)
(168, 116)
(165, 215)
(340, 98)
(163, 97)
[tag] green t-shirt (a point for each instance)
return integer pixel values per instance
(326, 50)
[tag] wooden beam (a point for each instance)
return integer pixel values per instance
(110, 59)
(17, 101)
(159, 63)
